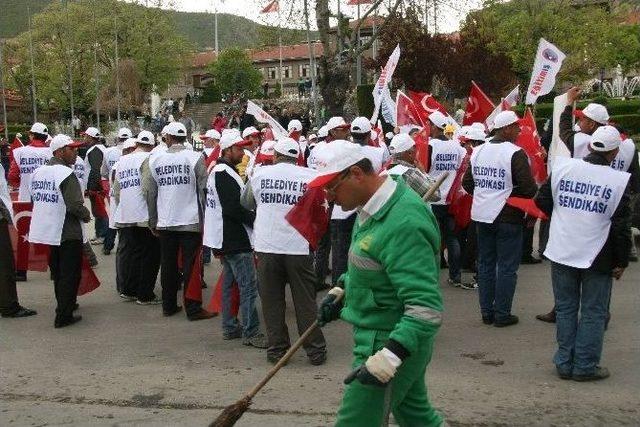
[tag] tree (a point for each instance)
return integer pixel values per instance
(235, 75)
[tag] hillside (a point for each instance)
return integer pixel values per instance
(196, 27)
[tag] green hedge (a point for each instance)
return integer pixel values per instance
(615, 107)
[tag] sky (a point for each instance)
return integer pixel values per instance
(450, 13)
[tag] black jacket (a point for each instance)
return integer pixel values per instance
(615, 252)
(95, 158)
(234, 217)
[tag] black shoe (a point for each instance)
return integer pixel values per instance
(530, 260)
(66, 321)
(318, 359)
(76, 306)
(169, 313)
(20, 312)
(274, 358)
(564, 375)
(233, 335)
(508, 321)
(599, 374)
(550, 317)
(202, 315)
(21, 277)
(633, 258)
(487, 320)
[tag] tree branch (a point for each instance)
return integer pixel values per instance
(374, 37)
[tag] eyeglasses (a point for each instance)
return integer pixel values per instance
(332, 190)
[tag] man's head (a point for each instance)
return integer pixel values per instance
(591, 118)
(211, 138)
(294, 125)
(361, 130)
(124, 134)
(473, 135)
(252, 136)
(322, 133)
(438, 122)
(145, 141)
(129, 145)
(403, 147)
(606, 141)
(346, 174)
(231, 146)
(337, 129)
(507, 126)
(91, 136)
(286, 150)
(38, 132)
(175, 133)
(63, 148)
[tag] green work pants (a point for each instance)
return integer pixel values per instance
(405, 396)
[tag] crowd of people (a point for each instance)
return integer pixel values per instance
(391, 230)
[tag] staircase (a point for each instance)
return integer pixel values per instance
(202, 113)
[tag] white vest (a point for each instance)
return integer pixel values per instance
(81, 172)
(111, 156)
(623, 159)
(133, 206)
(29, 159)
(113, 206)
(446, 156)
(277, 189)
(87, 165)
(175, 176)
(585, 196)
(491, 169)
(581, 145)
(213, 222)
(5, 197)
(49, 209)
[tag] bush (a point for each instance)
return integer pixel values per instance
(629, 122)
(616, 107)
(211, 93)
(364, 100)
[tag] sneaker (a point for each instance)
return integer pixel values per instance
(599, 374)
(127, 297)
(472, 286)
(508, 321)
(564, 375)
(487, 320)
(454, 283)
(97, 241)
(232, 335)
(154, 301)
(257, 341)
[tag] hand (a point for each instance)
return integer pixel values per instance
(154, 232)
(330, 306)
(617, 272)
(378, 370)
(573, 94)
(364, 376)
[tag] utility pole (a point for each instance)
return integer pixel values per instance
(339, 37)
(4, 102)
(312, 64)
(435, 17)
(66, 8)
(280, 48)
(359, 57)
(117, 63)
(33, 75)
(96, 76)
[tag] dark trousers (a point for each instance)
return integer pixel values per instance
(274, 272)
(340, 241)
(447, 231)
(527, 238)
(101, 225)
(171, 242)
(110, 239)
(543, 236)
(65, 263)
(8, 293)
(140, 261)
(321, 262)
(469, 248)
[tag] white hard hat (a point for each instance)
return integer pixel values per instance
(596, 112)
(60, 141)
(336, 122)
(176, 129)
(40, 128)
(230, 139)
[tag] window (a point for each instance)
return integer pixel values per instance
(272, 73)
(304, 70)
(287, 71)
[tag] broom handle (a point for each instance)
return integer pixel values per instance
(435, 186)
(284, 359)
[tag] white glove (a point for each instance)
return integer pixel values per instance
(383, 365)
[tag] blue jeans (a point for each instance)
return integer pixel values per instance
(241, 269)
(448, 231)
(101, 226)
(499, 255)
(579, 339)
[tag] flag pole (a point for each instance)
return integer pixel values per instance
(215, 21)
(280, 49)
(339, 37)
(66, 8)
(359, 58)
(4, 102)
(96, 75)
(312, 64)
(33, 75)
(117, 72)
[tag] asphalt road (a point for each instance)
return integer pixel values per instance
(128, 365)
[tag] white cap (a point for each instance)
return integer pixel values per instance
(40, 128)
(145, 137)
(336, 122)
(401, 143)
(60, 141)
(230, 138)
(360, 125)
(504, 119)
(438, 119)
(250, 131)
(92, 132)
(311, 137)
(164, 130)
(294, 125)
(473, 133)
(175, 129)
(478, 125)
(323, 132)
(266, 149)
(334, 158)
(288, 147)
(129, 143)
(605, 138)
(212, 134)
(389, 135)
(124, 133)
(596, 112)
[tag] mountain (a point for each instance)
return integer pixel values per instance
(233, 31)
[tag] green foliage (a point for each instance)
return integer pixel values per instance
(211, 93)
(235, 75)
(14, 18)
(629, 122)
(364, 100)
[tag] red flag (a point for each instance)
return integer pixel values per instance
(528, 206)
(479, 106)
(426, 104)
(88, 279)
(271, 7)
(422, 147)
(529, 141)
(17, 143)
(507, 103)
(215, 304)
(310, 216)
(28, 256)
(458, 199)
(193, 287)
(407, 113)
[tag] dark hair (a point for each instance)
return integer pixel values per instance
(40, 136)
(365, 165)
(179, 139)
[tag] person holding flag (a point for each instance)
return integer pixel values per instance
(391, 291)
(499, 169)
(403, 163)
(58, 211)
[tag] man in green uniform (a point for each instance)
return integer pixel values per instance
(391, 292)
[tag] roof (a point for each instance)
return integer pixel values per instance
(202, 59)
(368, 22)
(294, 51)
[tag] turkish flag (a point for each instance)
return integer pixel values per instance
(426, 104)
(271, 7)
(458, 199)
(407, 112)
(88, 279)
(310, 216)
(479, 106)
(422, 147)
(528, 206)
(215, 304)
(28, 256)
(213, 157)
(529, 141)
(17, 143)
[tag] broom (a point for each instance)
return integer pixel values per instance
(232, 413)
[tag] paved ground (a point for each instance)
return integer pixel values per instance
(127, 365)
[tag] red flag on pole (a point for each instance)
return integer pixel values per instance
(529, 141)
(272, 6)
(458, 199)
(310, 216)
(479, 106)
(28, 256)
(88, 279)
(193, 286)
(407, 113)
(215, 304)
(422, 147)
(426, 104)
(528, 206)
